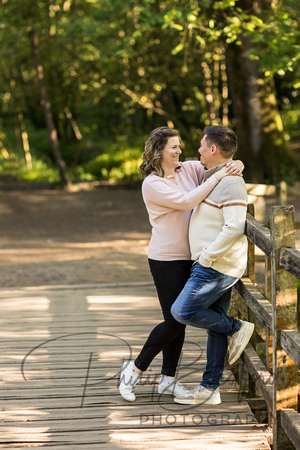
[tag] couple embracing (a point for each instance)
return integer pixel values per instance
(197, 252)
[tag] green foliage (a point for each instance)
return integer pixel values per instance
(288, 174)
(40, 170)
(115, 165)
(124, 67)
(291, 124)
(112, 167)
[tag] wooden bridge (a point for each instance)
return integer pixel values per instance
(61, 350)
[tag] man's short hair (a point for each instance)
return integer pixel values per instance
(224, 138)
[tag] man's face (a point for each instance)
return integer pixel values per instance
(205, 152)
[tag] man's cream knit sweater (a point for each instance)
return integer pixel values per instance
(217, 226)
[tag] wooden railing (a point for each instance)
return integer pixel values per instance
(273, 309)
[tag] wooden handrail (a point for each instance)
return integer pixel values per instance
(290, 420)
(259, 374)
(290, 260)
(258, 234)
(290, 342)
(276, 312)
(258, 304)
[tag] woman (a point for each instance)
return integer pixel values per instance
(171, 189)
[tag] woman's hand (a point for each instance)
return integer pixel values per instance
(232, 168)
(235, 168)
(221, 173)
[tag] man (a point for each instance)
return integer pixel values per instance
(219, 247)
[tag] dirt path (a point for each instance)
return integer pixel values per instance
(53, 237)
(50, 237)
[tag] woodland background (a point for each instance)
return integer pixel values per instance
(83, 82)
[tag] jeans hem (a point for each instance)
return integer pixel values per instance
(210, 386)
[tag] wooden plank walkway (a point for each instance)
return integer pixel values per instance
(61, 350)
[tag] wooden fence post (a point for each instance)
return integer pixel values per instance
(269, 336)
(250, 318)
(284, 303)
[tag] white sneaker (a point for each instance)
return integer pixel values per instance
(128, 380)
(239, 340)
(169, 385)
(200, 395)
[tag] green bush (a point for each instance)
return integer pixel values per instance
(40, 170)
(115, 166)
(119, 162)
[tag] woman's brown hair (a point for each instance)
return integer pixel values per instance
(154, 146)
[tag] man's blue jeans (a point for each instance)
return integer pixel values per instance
(203, 303)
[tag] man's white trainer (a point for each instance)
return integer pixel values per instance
(200, 396)
(239, 340)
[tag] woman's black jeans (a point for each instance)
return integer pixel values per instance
(169, 279)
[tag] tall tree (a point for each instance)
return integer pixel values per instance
(244, 31)
(18, 22)
(263, 149)
(52, 131)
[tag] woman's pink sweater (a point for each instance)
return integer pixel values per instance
(169, 204)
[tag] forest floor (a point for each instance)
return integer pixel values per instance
(53, 237)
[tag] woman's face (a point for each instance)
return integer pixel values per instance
(170, 154)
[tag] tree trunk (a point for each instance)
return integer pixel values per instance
(209, 95)
(224, 98)
(24, 137)
(262, 147)
(52, 131)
